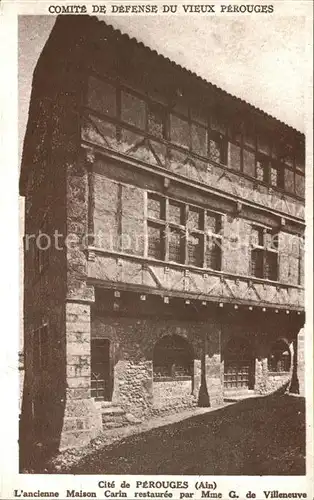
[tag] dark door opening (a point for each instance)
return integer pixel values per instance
(238, 366)
(101, 377)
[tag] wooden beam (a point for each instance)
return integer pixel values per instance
(143, 289)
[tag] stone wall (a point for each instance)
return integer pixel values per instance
(133, 385)
(56, 203)
(173, 395)
(261, 333)
(44, 286)
(118, 214)
(277, 380)
(236, 246)
(82, 420)
(134, 341)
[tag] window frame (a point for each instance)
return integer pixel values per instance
(185, 229)
(221, 138)
(265, 251)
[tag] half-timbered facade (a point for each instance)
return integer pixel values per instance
(175, 213)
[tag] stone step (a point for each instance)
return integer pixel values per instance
(239, 391)
(234, 396)
(113, 425)
(112, 410)
(106, 404)
(114, 416)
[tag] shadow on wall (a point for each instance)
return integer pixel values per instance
(41, 422)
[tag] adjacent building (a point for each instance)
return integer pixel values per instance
(164, 220)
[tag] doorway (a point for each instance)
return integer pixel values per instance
(239, 364)
(101, 376)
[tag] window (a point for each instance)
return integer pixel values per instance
(264, 253)
(182, 233)
(156, 227)
(195, 228)
(249, 163)
(273, 162)
(172, 358)
(199, 139)
(285, 153)
(133, 110)
(156, 118)
(176, 245)
(156, 207)
(300, 158)
(40, 349)
(101, 96)
(249, 136)
(176, 232)
(277, 176)
(274, 158)
(279, 359)
(262, 166)
(176, 212)
(217, 137)
(213, 248)
(195, 218)
(155, 241)
(215, 150)
(195, 250)
(235, 147)
(289, 180)
(192, 132)
(179, 131)
(300, 185)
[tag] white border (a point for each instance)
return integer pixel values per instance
(9, 288)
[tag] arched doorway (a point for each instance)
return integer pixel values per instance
(172, 358)
(239, 365)
(279, 359)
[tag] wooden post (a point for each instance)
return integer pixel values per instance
(203, 396)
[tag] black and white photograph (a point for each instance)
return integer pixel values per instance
(164, 250)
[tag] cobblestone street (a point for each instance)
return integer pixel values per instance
(256, 436)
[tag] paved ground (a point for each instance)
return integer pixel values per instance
(253, 437)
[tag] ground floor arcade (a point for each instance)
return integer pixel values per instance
(129, 356)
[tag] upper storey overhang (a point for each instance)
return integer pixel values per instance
(99, 49)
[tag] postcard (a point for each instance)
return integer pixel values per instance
(157, 208)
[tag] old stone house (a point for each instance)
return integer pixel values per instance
(164, 226)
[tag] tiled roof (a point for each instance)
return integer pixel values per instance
(116, 33)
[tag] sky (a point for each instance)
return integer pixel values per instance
(262, 62)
